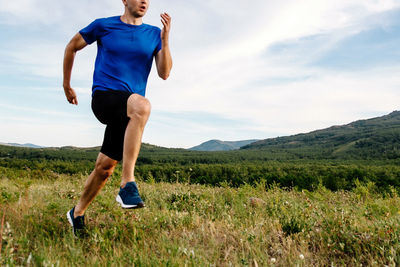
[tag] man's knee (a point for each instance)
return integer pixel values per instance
(104, 169)
(138, 107)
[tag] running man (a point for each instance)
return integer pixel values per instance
(126, 48)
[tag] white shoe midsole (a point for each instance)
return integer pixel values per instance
(119, 200)
(70, 219)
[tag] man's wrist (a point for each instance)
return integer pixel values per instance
(165, 39)
(165, 44)
(66, 86)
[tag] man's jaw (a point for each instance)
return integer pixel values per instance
(138, 13)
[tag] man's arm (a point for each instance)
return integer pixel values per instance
(77, 43)
(163, 57)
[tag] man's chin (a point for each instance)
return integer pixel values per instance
(139, 14)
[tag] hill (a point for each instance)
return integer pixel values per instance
(218, 145)
(65, 152)
(375, 138)
(372, 139)
(22, 145)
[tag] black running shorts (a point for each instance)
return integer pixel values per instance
(110, 108)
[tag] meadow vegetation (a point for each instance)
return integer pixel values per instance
(239, 208)
(197, 225)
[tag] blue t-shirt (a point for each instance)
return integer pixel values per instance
(124, 54)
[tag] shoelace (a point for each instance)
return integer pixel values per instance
(130, 188)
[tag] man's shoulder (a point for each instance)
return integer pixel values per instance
(151, 27)
(107, 20)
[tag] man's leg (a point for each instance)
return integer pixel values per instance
(138, 111)
(96, 181)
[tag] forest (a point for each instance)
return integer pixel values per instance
(235, 168)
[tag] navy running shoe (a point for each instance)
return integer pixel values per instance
(78, 223)
(128, 197)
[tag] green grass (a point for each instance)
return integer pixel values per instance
(197, 225)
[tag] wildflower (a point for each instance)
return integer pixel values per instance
(29, 259)
(273, 260)
(301, 256)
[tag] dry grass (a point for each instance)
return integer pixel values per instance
(193, 225)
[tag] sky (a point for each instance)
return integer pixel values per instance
(241, 70)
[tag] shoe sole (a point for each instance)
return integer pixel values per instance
(125, 206)
(70, 220)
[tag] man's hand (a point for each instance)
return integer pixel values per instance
(163, 57)
(71, 95)
(77, 43)
(166, 21)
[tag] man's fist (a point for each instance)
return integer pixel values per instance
(71, 95)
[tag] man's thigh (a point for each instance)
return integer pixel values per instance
(110, 106)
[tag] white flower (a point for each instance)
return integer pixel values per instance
(301, 256)
(29, 259)
(273, 260)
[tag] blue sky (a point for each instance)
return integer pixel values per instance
(241, 71)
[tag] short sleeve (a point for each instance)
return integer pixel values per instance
(91, 32)
(159, 45)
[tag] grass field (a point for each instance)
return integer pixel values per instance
(197, 225)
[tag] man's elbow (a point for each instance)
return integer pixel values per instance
(164, 68)
(164, 77)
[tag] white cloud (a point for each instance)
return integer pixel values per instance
(221, 62)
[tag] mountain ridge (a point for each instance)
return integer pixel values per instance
(374, 136)
(218, 145)
(28, 145)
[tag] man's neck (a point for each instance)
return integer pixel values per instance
(129, 19)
